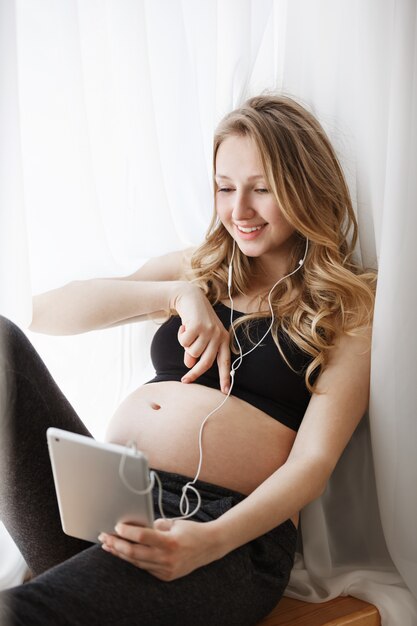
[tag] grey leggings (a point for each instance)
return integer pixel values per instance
(78, 583)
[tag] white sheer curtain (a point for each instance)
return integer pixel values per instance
(107, 111)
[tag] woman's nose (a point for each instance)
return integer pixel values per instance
(242, 208)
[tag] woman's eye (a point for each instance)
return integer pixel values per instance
(225, 189)
(262, 190)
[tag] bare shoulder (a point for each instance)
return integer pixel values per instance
(170, 266)
(346, 375)
(341, 400)
(349, 355)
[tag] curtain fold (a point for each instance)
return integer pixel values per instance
(394, 397)
(15, 292)
(107, 112)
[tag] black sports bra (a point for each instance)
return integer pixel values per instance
(263, 379)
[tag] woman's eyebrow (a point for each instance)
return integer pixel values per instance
(254, 177)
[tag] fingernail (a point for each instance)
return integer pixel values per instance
(118, 528)
(226, 389)
(101, 537)
(184, 380)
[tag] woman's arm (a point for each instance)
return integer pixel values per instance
(327, 427)
(81, 306)
(154, 291)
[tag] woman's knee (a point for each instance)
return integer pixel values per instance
(8, 328)
(10, 334)
(15, 347)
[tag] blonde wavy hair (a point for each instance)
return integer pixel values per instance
(331, 294)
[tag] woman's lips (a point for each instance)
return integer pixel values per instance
(251, 235)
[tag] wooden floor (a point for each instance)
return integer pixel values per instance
(342, 611)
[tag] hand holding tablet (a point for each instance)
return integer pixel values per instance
(97, 483)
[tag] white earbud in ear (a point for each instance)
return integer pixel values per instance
(301, 261)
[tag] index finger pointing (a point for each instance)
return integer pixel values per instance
(223, 362)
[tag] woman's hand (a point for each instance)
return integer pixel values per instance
(169, 550)
(202, 335)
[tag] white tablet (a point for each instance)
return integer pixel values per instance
(95, 484)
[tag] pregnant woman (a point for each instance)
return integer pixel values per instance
(275, 281)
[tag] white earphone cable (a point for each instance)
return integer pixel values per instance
(184, 504)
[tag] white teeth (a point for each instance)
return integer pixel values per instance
(249, 230)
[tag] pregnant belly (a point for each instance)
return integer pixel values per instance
(242, 446)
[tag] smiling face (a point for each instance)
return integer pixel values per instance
(247, 208)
